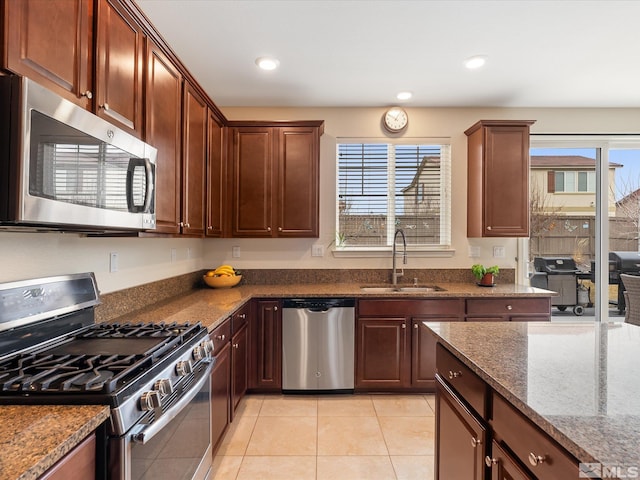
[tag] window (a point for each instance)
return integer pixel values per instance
(383, 187)
(581, 182)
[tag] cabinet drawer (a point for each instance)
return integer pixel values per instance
(531, 446)
(398, 307)
(239, 318)
(503, 465)
(507, 306)
(462, 379)
(221, 335)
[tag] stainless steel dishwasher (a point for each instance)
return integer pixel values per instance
(318, 344)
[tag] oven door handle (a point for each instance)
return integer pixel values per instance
(147, 433)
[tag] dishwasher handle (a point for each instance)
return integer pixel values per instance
(318, 304)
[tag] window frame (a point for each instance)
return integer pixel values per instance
(417, 250)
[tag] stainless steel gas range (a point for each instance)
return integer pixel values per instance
(154, 377)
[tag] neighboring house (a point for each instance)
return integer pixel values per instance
(629, 205)
(566, 185)
(422, 196)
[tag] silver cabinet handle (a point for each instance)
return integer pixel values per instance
(453, 374)
(475, 442)
(488, 461)
(536, 459)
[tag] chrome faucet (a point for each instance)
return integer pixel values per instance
(394, 272)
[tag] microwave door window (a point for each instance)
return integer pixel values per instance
(72, 167)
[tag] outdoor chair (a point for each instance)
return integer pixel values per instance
(632, 298)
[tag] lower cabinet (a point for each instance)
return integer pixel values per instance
(503, 466)
(239, 366)
(394, 350)
(461, 438)
(78, 464)
(221, 383)
(508, 309)
(266, 346)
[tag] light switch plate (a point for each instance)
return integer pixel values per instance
(113, 262)
(174, 255)
(474, 252)
(498, 251)
(235, 251)
(317, 251)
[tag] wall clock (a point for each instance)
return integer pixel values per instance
(395, 119)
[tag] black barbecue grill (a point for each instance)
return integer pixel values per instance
(559, 274)
(622, 262)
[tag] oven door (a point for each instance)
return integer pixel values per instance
(176, 447)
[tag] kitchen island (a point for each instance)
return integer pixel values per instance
(575, 383)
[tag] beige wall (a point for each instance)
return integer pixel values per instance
(27, 255)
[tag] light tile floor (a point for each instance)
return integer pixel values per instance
(329, 437)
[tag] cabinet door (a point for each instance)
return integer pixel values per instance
(194, 158)
(298, 182)
(220, 394)
(423, 353)
(239, 366)
(51, 42)
(460, 439)
(216, 175)
(252, 180)
(381, 353)
(119, 67)
(163, 131)
(266, 334)
(503, 466)
(78, 464)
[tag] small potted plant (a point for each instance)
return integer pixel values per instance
(485, 275)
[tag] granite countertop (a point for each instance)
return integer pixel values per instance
(33, 437)
(212, 306)
(580, 382)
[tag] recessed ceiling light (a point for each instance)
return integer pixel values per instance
(267, 63)
(476, 61)
(404, 95)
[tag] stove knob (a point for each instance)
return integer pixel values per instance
(150, 400)
(208, 346)
(184, 367)
(163, 386)
(199, 353)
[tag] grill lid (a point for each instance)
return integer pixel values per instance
(626, 261)
(555, 264)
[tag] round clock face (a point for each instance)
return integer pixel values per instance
(395, 119)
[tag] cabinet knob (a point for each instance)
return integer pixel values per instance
(488, 461)
(105, 106)
(404, 325)
(242, 315)
(181, 224)
(475, 442)
(488, 228)
(453, 374)
(509, 307)
(415, 326)
(279, 229)
(535, 459)
(220, 337)
(209, 227)
(87, 94)
(235, 345)
(275, 309)
(187, 225)
(268, 229)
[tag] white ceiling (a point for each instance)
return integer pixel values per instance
(358, 53)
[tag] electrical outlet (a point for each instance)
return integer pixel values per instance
(235, 251)
(174, 255)
(498, 251)
(189, 253)
(317, 251)
(113, 262)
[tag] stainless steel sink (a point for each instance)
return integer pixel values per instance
(401, 289)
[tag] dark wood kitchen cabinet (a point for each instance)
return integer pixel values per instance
(266, 340)
(119, 67)
(163, 130)
(394, 350)
(221, 382)
(216, 177)
(275, 178)
(239, 364)
(497, 176)
(508, 309)
(194, 162)
(78, 464)
(52, 43)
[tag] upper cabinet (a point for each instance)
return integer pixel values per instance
(216, 176)
(119, 67)
(52, 43)
(194, 161)
(163, 130)
(498, 178)
(274, 170)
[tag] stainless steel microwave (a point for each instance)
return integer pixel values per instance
(64, 168)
